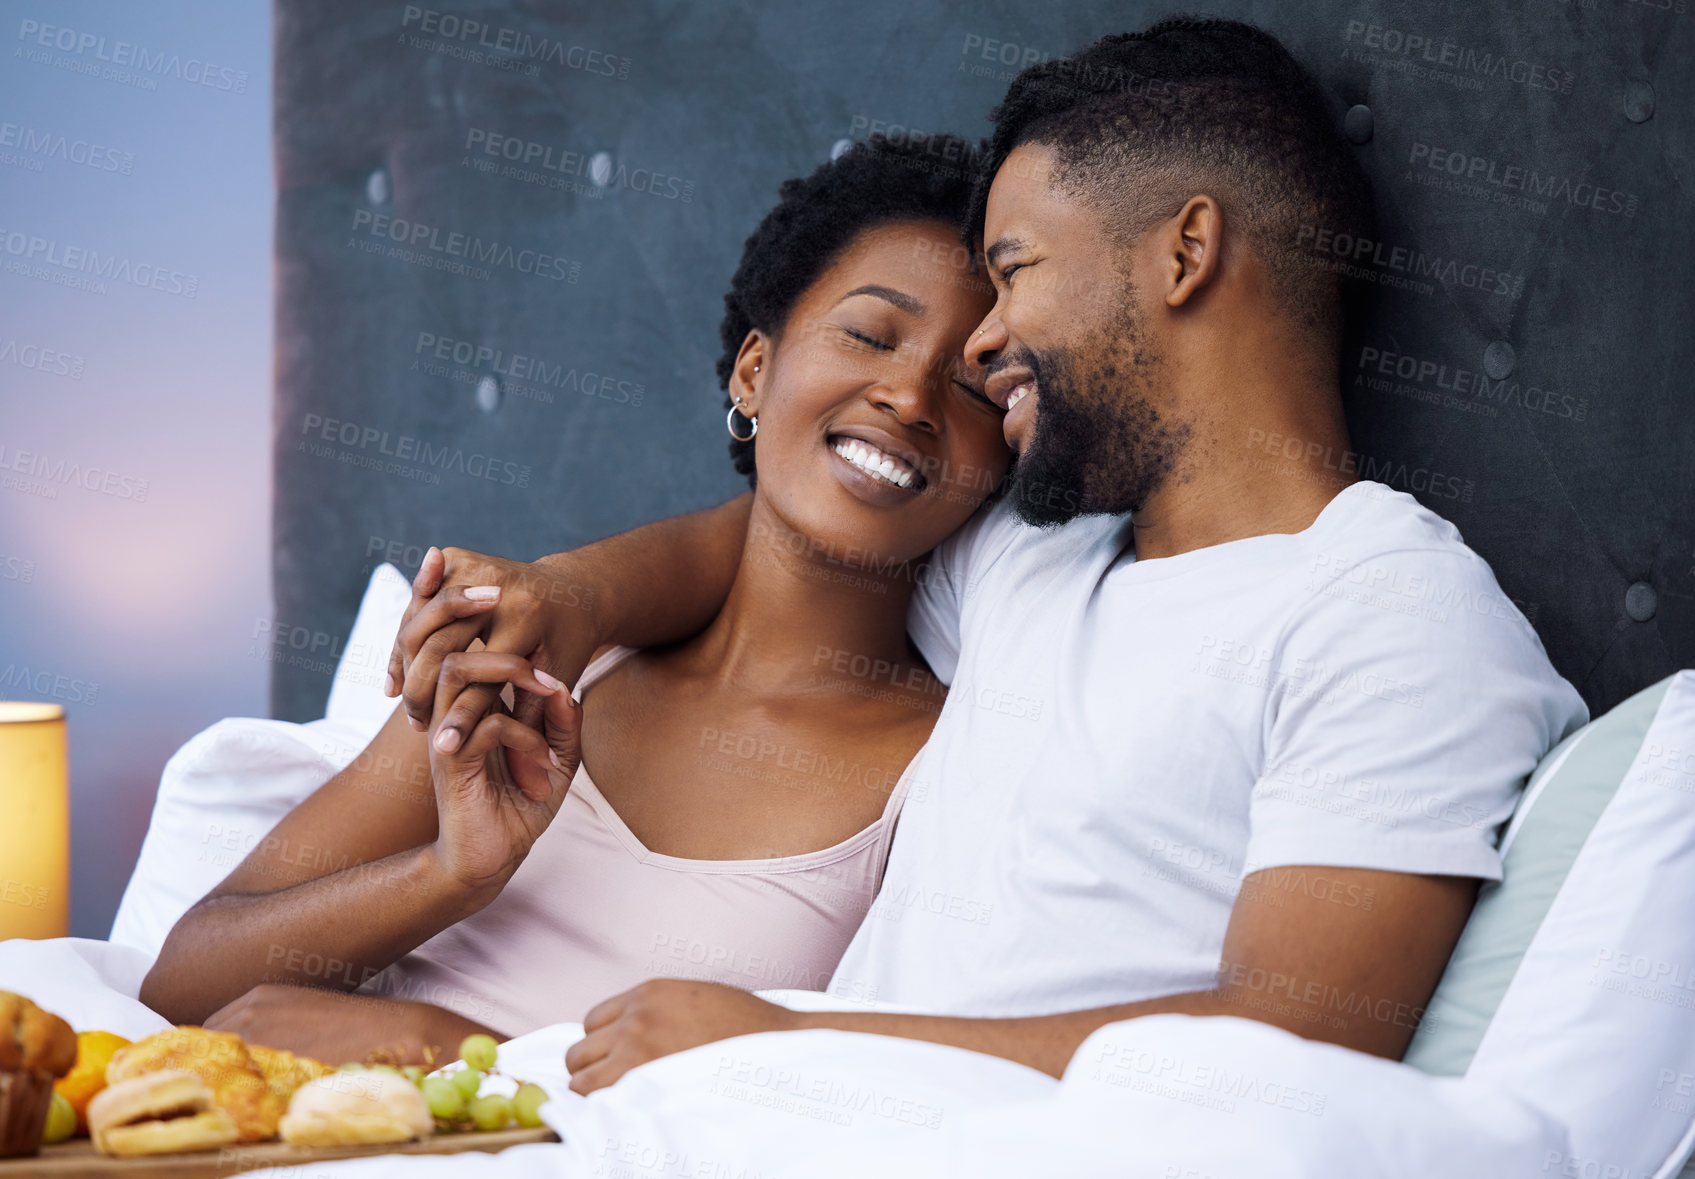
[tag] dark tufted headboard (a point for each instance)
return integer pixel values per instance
(504, 231)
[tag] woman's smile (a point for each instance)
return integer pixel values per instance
(876, 461)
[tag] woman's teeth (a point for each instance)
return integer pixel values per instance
(876, 463)
(1018, 394)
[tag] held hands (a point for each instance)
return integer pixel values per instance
(516, 608)
(662, 1016)
(500, 775)
(498, 789)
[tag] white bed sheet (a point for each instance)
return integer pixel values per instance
(1167, 1097)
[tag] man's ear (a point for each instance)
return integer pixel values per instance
(1194, 240)
(748, 377)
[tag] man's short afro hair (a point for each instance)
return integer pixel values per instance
(875, 182)
(1141, 122)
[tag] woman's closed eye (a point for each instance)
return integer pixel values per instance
(872, 341)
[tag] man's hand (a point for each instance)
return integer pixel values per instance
(662, 1016)
(537, 612)
(339, 1028)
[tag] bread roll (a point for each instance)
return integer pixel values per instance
(354, 1107)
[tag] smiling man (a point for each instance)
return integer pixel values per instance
(1230, 730)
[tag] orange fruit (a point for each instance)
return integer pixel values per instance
(88, 1075)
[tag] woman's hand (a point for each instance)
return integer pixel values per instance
(339, 1028)
(534, 610)
(498, 789)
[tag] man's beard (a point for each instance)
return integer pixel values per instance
(1099, 445)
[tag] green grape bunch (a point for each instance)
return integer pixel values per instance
(456, 1100)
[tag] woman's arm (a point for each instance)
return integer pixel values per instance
(366, 869)
(344, 885)
(343, 1029)
(359, 845)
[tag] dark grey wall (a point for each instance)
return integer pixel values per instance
(1524, 364)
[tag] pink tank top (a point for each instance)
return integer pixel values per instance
(591, 912)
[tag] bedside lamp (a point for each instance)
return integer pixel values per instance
(35, 821)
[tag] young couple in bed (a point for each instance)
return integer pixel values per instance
(1226, 729)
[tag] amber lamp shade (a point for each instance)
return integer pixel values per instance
(35, 821)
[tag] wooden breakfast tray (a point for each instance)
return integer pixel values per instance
(77, 1159)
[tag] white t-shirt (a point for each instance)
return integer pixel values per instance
(1124, 741)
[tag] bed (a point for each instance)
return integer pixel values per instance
(1546, 411)
(1559, 1042)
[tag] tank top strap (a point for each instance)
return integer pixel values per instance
(890, 817)
(599, 667)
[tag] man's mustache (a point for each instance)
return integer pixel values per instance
(1021, 358)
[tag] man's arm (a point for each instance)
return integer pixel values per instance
(663, 581)
(655, 584)
(1347, 955)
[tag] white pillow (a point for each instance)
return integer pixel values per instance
(1573, 985)
(356, 694)
(224, 790)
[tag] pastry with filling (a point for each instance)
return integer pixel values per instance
(220, 1059)
(164, 1112)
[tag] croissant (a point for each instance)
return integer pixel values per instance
(222, 1060)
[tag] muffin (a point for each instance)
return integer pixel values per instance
(36, 1048)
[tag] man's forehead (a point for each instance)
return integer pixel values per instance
(1029, 169)
(1024, 199)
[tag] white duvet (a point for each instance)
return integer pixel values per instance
(1168, 1097)
(1164, 1096)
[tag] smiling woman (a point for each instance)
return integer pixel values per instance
(866, 379)
(744, 783)
(874, 451)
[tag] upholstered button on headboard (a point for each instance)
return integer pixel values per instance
(504, 231)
